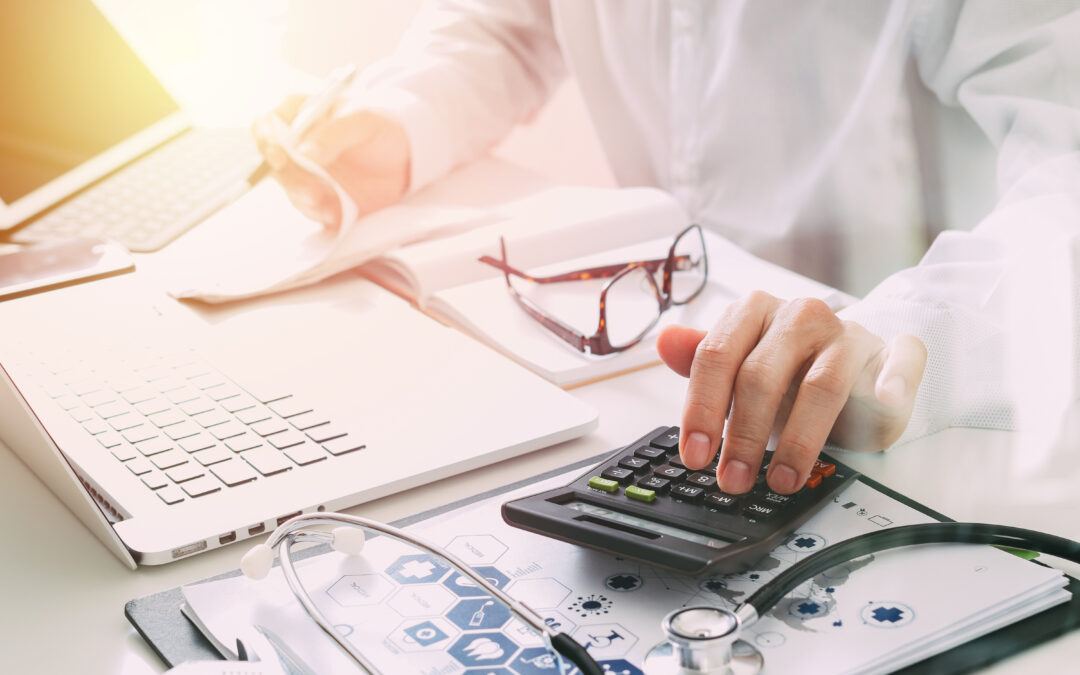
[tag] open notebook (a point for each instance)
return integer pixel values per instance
(426, 249)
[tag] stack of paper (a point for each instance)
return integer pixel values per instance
(409, 612)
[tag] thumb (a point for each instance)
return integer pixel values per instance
(326, 141)
(901, 372)
(677, 345)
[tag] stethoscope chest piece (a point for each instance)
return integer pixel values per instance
(700, 641)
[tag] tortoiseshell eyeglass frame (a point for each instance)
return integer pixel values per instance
(599, 344)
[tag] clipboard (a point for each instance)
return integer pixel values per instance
(159, 621)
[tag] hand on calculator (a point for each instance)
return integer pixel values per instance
(793, 366)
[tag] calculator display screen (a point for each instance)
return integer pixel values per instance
(645, 524)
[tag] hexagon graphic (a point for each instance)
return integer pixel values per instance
(418, 568)
(356, 590)
(464, 586)
(479, 614)
(522, 633)
(417, 635)
(477, 549)
(478, 650)
(535, 661)
(619, 667)
(539, 593)
(557, 621)
(605, 640)
(430, 600)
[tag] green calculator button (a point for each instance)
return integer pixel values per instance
(604, 484)
(641, 494)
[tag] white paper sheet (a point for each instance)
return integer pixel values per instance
(408, 612)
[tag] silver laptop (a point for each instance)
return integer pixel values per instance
(170, 431)
(91, 143)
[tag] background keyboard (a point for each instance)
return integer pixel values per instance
(184, 429)
(151, 201)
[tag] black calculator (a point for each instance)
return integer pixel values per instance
(643, 503)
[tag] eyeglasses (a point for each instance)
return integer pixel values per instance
(631, 301)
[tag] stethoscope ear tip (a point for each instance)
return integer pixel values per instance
(257, 562)
(348, 539)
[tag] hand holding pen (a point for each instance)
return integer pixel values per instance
(365, 152)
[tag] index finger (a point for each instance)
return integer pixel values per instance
(712, 376)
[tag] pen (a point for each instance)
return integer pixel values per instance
(312, 111)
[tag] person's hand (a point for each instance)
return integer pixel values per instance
(367, 154)
(793, 366)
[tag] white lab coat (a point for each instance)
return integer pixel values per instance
(784, 126)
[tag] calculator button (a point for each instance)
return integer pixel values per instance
(603, 484)
(702, 480)
(759, 511)
(618, 474)
(777, 500)
(813, 481)
(635, 464)
(655, 483)
(641, 494)
(651, 454)
(687, 493)
(669, 472)
(721, 502)
(666, 440)
(825, 469)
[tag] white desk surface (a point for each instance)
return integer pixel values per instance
(63, 593)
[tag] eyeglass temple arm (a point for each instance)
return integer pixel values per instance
(602, 272)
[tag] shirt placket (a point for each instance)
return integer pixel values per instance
(685, 93)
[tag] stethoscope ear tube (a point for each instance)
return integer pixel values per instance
(909, 535)
(574, 653)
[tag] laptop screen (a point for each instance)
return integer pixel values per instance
(70, 88)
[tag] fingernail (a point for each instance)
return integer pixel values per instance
(697, 449)
(783, 479)
(736, 477)
(276, 158)
(893, 391)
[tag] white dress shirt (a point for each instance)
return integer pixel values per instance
(785, 126)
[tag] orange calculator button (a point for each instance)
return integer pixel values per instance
(814, 480)
(824, 468)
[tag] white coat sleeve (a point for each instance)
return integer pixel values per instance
(465, 73)
(997, 307)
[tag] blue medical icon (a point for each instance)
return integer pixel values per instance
(479, 614)
(425, 633)
(465, 587)
(477, 650)
(419, 568)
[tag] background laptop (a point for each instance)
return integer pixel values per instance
(170, 431)
(91, 143)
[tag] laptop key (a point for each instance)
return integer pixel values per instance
(212, 455)
(154, 480)
(233, 472)
(289, 407)
(109, 439)
(305, 453)
(143, 432)
(155, 446)
(182, 395)
(185, 429)
(166, 418)
(308, 420)
(342, 445)
(139, 395)
(95, 427)
(239, 402)
(324, 433)
(185, 472)
(139, 466)
(153, 406)
(266, 460)
(269, 427)
(223, 392)
(252, 415)
(169, 459)
(81, 414)
(286, 439)
(111, 409)
(211, 418)
(227, 430)
(170, 494)
(203, 485)
(199, 441)
(243, 442)
(125, 421)
(124, 453)
(197, 406)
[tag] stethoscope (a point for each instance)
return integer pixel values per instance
(700, 640)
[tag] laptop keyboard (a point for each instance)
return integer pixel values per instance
(153, 200)
(184, 429)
